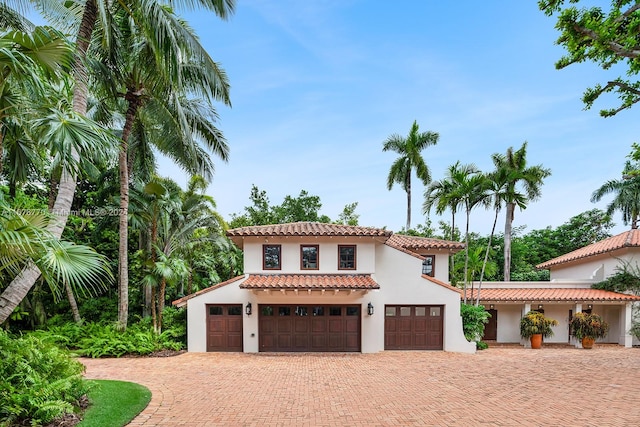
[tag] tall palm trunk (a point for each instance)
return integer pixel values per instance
(466, 258)
(486, 256)
(507, 241)
(408, 202)
(73, 304)
(24, 281)
(123, 244)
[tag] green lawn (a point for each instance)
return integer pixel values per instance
(114, 403)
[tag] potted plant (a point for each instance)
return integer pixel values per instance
(588, 327)
(534, 325)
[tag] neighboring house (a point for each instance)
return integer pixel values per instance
(326, 287)
(568, 292)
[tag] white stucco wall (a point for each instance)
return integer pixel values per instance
(509, 323)
(399, 276)
(584, 269)
(327, 259)
(197, 313)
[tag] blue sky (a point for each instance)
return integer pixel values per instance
(317, 86)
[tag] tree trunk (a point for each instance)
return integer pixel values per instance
(161, 295)
(408, 203)
(23, 282)
(123, 245)
(73, 304)
(507, 241)
(466, 257)
(453, 225)
(154, 316)
(486, 256)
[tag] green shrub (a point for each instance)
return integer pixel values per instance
(481, 345)
(38, 381)
(104, 340)
(473, 321)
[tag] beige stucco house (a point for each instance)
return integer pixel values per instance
(568, 292)
(325, 287)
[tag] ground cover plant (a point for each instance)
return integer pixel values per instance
(105, 340)
(114, 403)
(39, 382)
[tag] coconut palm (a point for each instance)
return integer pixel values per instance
(86, 16)
(155, 81)
(522, 181)
(409, 148)
(626, 193)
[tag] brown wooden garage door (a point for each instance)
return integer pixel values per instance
(309, 327)
(413, 327)
(224, 327)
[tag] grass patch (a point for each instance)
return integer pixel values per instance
(114, 403)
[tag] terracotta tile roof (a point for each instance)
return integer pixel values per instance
(310, 281)
(549, 294)
(183, 301)
(414, 243)
(628, 239)
(307, 229)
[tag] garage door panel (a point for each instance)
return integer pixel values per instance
(310, 328)
(224, 327)
(413, 327)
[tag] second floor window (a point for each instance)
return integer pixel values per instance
(272, 259)
(309, 257)
(346, 257)
(428, 265)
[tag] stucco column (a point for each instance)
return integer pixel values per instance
(525, 342)
(626, 338)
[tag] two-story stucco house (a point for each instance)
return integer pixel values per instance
(325, 287)
(569, 291)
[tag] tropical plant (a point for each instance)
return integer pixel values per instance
(518, 175)
(82, 17)
(534, 323)
(588, 325)
(473, 320)
(409, 148)
(38, 381)
(626, 191)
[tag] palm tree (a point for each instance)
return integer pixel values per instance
(496, 187)
(409, 149)
(157, 78)
(626, 195)
(522, 180)
(24, 240)
(472, 188)
(445, 194)
(93, 11)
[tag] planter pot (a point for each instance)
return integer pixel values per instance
(536, 341)
(587, 342)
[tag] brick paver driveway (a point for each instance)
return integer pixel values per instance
(499, 386)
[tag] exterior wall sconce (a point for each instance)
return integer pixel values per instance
(540, 306)
(247, 309)
(370, 309)
(491, 307)
(590, 306)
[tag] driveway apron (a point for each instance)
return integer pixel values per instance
(496, 387)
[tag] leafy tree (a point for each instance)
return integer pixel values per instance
(305, 207)
(521, 180)
(348, 215)
(605, 37)
(409, 148)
